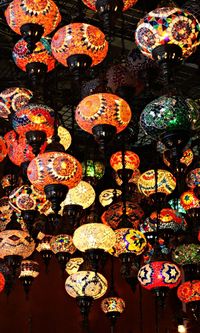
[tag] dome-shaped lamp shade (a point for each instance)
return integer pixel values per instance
(103, 109)
(79, 39)
(113, 216)
(166, 182)
(94, 236)
(188, 200)
(42, 13)
(3, 149)
(16, 242)
(86, 283)
(159, 274)
(107, 196)
(129, 240)
(193, 178)
(131, 160)
(54, 168)
(83, 194)
(168, 26)
(165, 114)
(41, 54)
(62, 243)
(13, 99)
(189, 291)
(186, 254)
(126, 4)
(29, 268)
(113, 304)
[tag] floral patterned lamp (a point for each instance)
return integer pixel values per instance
(103, 115)
(79, 46)
(32, 19)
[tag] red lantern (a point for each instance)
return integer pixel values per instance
(3, 149)
(2, 282)
(189, 291)
(131, 160)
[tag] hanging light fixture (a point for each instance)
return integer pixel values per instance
(189, 293)
(187, 254)
(9, 182)
(129, 240)
(73, 265)
(62, 246)
(93, 171)
(193, 181)
(3, 149)
(29, 270)
(32, 19)
(103, 115)
(2, 282)
(44, 248)
(185, 160)
(79, 46)
(107, 196)
(65, 137)
(131, 162)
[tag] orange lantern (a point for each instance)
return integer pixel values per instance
(131, 162)
(3, 149)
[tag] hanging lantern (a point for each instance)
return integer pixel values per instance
(168, 33)
(175, 204)
(83, 194)
(44, 248)
(93, 170)
(73, 265)
(36, 63)
(55, 173)
(65, 137)
(62, 246)
(29, 270)
(114, 215)
(193, 181)
(186, 254)
(107, 196)
(2, 282)
(3, 149)
(36, 122)
(79, 46)
(13, 99)
(131, 162)
(188, 200)
(113, 304)
(32, 19)
(189, 293)
(94, 5)
(9, 182)
(186, 159)
(103, 115)
(24, 198)
(133, 180)
(16, 243)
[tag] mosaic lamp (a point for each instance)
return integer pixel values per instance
(54, 173)
(193, 181)
(79, 46)
(107, 196)
(44, 247)
(62, 246)
(103, 115)
(113, 307)
(189, 293)
(187, 254)
(3, 149)
(93, 171)
(36, 123)
(125, 163)
(29, 270)
(32, 19)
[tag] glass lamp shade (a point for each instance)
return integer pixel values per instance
(79, 38)
(189, 291)
(158, 274)
(168, 219)
(93, 169)
(94, 236)
(86, 283)
(126, 4)
(18, 149)
(113, 216)
(165, 114)
(193, 178)
(62, 243)
(65, 137)
(129, 240)
(13, 99)
(44, 243)
(103, 109)
(175, 204)
(16, 242)
(54, 168)
(107, 196)
(73, 265)
(186, 158)
(44, 13)
(3, 149)
(83, 194)
(186, 254)
(168, 26)
(134, 178)
(113, 304)
(188, 200)
(29, 268)
(166, 182)
(2, 282)
(41, 54)
(131, 160)
(34, 117)
(5, 212)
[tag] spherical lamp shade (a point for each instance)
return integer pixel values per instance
(193, 178)
(2, 282)
(73, 265)
(23, 12)
(103, 109)
(41, 54)
(3, 149)
(113, 304)
(94, 236)
(165, 114)
(16, 243)
(129, 240)
(83, 194)
(187, 254)
(65, 137)
(29, 268)
(166, 26)
(131, 160)
(113, 216)
(166, 182)
(79, 39)
(188, 200)
(93, 169)
(189, 291)
(159, 274)
(107, 196)
(13, 99)
(126, 4)
(86, 283)
(62, 243)
(54, 168)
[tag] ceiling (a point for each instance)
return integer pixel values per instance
(49, 309)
